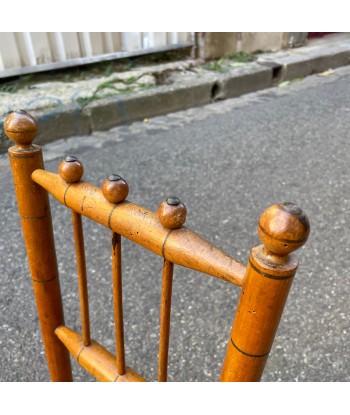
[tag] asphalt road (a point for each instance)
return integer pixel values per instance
(227, 161)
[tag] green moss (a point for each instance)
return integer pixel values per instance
(216, 66)
(240, 57)
(90, 71)
(110, 85)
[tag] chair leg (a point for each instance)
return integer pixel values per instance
(283, 229)
(35, 214)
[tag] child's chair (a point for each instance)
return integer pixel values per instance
(265, 281)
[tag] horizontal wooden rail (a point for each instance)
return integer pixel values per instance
(180, 246)
(98, 361)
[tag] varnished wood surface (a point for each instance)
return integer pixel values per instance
(165, 313)
(270, 273)
(22, 128)
(283, 228)
(180, 246)
(115, 189)
(265, 282)
(71, 170)
(98, 361)
(82, 277)
(172, 213)
(118, 301)
(35, 214)
(257, 317)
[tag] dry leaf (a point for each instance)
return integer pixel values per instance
(326, 73)
(282, 84)
(236, 64)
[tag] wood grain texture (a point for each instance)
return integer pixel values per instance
(265, 282)
(115, 189)
(165, 313)
(22, 128)
(172, 213)
(98, 361)
(71, 170)
(180, 246)
(118, 301)
(283, 228)
(34, 210)
(82, 277)
(257, 317)
(269, 276)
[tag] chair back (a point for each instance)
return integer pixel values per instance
(265, 281)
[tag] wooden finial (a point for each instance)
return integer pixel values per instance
(172, 213)
(70, 169)
(115, 189)
(283, 228)
(21, 127)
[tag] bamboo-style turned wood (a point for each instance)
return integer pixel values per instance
(98, 361)
(82, 277)
(71, 171)
(34, 210)
(282, 228)
(118, 301)
(265, 281)
(172, 215)
(115, 190)
(181, 246)
(165, 311)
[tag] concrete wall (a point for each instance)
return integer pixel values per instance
(213, 45)
(264, 41)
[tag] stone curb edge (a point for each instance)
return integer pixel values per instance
(73, 120)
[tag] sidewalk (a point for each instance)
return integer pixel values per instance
(76, 108)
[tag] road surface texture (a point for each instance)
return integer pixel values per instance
(227, 162)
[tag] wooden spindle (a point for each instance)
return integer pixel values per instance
(165, 310)
(118, 301)
(71, 171)
(282, 228)
(171, 214)
(82, 277)
(115, 190)
(35, 213)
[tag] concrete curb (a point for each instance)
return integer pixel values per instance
(299, 65)
(73, 120)
(190, 89)
(187, 93)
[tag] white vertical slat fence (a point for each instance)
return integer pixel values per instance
(28, 52)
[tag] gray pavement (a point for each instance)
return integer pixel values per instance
(227, 161)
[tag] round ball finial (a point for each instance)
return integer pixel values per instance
(283, 228)
(21, 127)
(172, 213)
(70, 169)
(115, 189)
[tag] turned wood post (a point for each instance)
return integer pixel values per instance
(172, 215)
(115, 189)
(282, 229)
(35, 214)
(71, 171)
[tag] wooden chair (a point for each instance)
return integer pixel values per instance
(265, 281)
